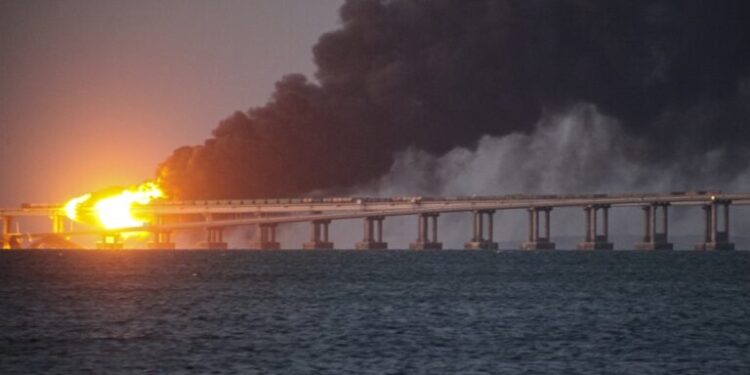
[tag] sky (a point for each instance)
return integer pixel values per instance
(431, 98)
(97, 93)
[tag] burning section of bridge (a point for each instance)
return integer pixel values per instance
(112, 208)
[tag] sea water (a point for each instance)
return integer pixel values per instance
(375, 312)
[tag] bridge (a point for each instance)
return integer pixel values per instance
(213, 217)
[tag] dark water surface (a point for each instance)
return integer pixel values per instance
(375, 312)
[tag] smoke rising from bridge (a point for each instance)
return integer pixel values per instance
(477, 84)
(579, 150)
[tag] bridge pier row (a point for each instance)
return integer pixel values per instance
(652, 238)
(110, 241)
(595, 240)
(318, 236)
(425, 222)
(478, 241)
(373, 234)
(214, 239)
(536, 241)
(714, 238)
(161, 240)
(265, 238)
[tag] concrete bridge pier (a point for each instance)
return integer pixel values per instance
(214, 239)
(373, 234)
(58, 223)
(536, 241)
(318, 236)
(110, 241)
(5, 239)
(425, 222)
(652, 238)
(714, 238)
(595, 240)
(478, 241)
(161, 240)
(265, 238)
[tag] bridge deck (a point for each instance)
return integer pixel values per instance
(307, 209)
(398, 203)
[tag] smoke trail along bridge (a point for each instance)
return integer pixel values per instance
(214, 216)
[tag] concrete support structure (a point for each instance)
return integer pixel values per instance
(6, 242)
(425, 222)
(595, 240)
(537, 241)
(478, 239)
(318, 236)
(715, 238)
(265, 238)
(110, 241)
(373, 234)
(161, 240)
(58, 223)
(214, 239)
(653, 239)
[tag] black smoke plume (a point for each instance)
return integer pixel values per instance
(436, 74)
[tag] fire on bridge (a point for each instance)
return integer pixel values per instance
(213, 217)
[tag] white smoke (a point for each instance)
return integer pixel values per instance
(577, 151)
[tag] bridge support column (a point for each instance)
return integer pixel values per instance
(265, 238)
(373, 234)
(714, 238)
(5, 239)
(110, 241)
(161, 240)
(214, 239)
(652, 238)
(595, 240)
(424, 242)
(318, 236)
(58, 223)
(536, 241)
(478, 241)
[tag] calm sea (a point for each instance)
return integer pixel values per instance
(375, 312)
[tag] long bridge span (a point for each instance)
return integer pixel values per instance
(215, 216)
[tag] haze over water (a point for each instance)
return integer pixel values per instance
(374, 312)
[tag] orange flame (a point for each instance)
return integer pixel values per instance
(113, 209)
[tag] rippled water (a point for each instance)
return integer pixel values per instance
(375, 312)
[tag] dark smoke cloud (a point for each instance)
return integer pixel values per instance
(436, 74)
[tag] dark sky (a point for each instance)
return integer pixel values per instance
(96, 93)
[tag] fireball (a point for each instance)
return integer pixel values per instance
(71, 208)
(112, 208)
